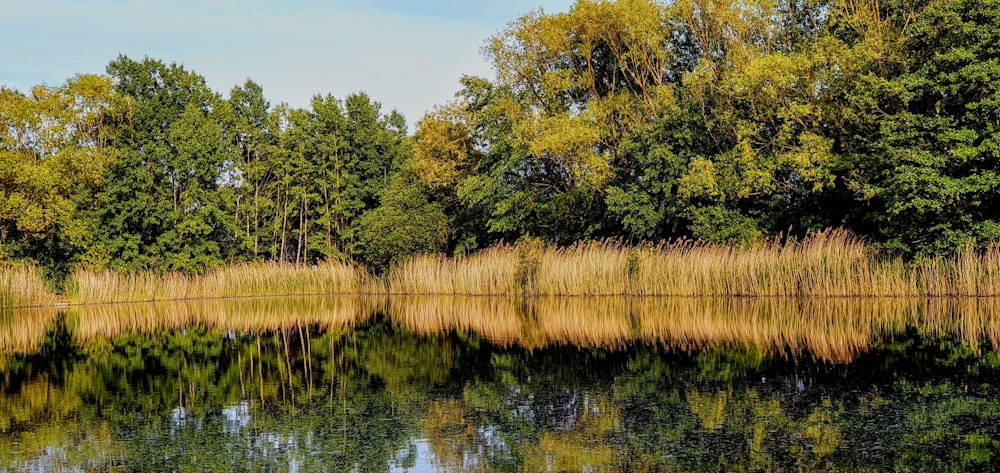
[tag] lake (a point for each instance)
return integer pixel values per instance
(429, 384)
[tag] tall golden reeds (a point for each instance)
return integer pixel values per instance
(23, 286)
(242, 280)
(969, 273)
(827, 264)
(494, 271)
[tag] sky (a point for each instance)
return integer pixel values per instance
(406, 54)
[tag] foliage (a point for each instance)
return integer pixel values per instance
(213, 396)
(644, 120)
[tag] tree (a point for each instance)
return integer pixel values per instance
(163, 205)
(923, 140)
(53, 149)
(407, 223)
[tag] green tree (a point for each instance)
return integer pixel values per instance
(406, 223)
(164, 203)
(923, 140)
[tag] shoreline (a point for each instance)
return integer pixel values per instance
(831, 264)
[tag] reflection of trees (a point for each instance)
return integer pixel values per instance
(330, 397)
(198, 399)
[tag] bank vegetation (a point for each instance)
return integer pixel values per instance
(828, 264)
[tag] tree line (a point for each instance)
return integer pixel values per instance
(727, 121)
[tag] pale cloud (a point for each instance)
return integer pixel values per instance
(407, 55)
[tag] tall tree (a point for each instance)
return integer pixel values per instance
(164, 205)
(924, 121)
(53, 148)
(253, 128)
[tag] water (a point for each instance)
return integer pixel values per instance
(480, 384)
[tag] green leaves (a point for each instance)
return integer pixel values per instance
(163, 205)
(635, 119)
(929, 167)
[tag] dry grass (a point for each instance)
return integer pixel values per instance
(588, 269)
(244, 280)
(970, 273)
(827, 264)
(23, 286)
(490, 272)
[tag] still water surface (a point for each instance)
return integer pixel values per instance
(485, 384)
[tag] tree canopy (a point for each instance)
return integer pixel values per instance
(634, 119)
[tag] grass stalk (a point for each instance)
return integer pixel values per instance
(243, 280)
(828, 264)
(23, 286)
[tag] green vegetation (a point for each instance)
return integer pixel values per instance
(367, 394)
(641, 120)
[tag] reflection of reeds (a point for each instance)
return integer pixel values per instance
(238, 316)
(22, 331)
(251, 279)
(972, 319)
(831, 329)
(23, 286)
(497, 319)
(601, 322)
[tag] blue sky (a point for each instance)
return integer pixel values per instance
(407, 54)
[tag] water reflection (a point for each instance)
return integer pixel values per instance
(830, 329)
(485, 384)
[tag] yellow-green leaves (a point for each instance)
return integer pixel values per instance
(700, 181)
(443, 147)
(571, 143)
(582, 79)
(51, 151)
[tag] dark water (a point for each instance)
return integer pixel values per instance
(374, 395)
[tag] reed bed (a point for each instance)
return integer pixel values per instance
(587, 269)
(23, 286)
(970, 273)
(243, 280)
(828, 264)
(494, 271)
